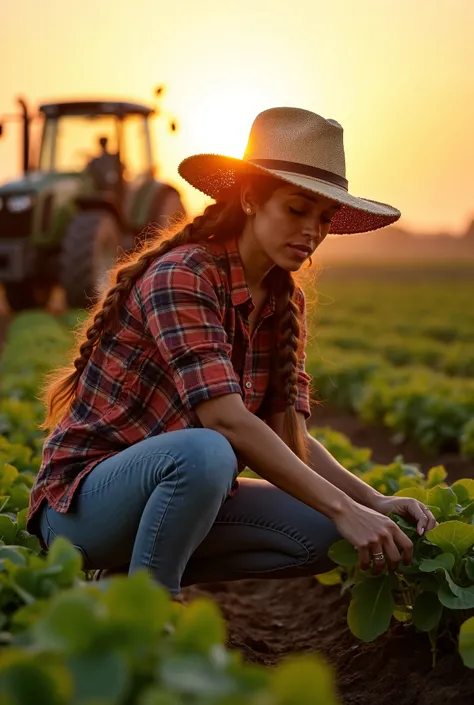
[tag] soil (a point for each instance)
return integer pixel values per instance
(270, 619)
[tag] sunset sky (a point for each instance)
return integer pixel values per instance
(397, 74)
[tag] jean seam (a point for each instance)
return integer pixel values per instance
(277, 531)
(152, 553)
(126, 467)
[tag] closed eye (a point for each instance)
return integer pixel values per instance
(295, 211)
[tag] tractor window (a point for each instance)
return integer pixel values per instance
(135, 147)
(72, 142)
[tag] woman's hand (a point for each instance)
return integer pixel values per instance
(406, 507)
(375, 536)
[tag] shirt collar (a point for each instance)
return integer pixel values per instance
(240, 292)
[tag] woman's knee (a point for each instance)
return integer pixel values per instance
(209, 460)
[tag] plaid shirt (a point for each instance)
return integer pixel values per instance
(182, 338)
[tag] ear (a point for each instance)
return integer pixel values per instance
(247, 199)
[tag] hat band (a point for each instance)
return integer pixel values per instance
(303, 169)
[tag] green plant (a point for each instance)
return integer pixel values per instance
(438, 584)
(125, 642)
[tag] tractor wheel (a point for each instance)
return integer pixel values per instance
(29, 293)
(90, 249)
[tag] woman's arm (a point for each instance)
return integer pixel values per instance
(327, 466)
(268, 455)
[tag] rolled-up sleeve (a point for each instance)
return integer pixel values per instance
(184, 317)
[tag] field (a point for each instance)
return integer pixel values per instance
(394, 347)
(391, 354)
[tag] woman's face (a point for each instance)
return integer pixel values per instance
(291, 224)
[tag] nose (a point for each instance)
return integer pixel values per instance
(313, 231)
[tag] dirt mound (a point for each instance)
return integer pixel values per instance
(269, 620)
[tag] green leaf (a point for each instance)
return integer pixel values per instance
(436, 475)
(7, 476)
(291, 679)
(454, 597)
(343, 553)
(332, 577)
(452, 537)
(139, 604)
(470, 568)
(445, 561)
(466, 642)
(27, 679)
(21, 519)
(415, 492)
(464, 489)
(427, 611)
(200, 628)
(63, 553)
(71, 623)
(195, 674)
(8, 529)
(14, 554)
(155, 696)
(444, 498)
(371, 608)
(99, 676)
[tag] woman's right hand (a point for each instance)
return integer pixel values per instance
(370, 533)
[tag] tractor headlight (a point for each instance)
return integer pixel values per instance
(18, 204)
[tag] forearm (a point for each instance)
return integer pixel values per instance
(328, 467)
(265, 452)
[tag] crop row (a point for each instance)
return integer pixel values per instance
(65, 640)
(124, 641)
(415, 403)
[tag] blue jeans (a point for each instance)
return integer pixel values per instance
(163, 504)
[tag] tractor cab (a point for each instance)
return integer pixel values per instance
(106, 143)
(90, 194)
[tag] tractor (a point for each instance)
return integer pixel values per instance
(86, 201)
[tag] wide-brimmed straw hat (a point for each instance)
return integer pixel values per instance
(301, 148)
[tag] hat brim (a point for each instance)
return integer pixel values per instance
(215, 174)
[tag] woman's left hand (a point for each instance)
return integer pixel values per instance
(406, 507)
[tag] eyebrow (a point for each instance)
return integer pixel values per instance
(314, 199)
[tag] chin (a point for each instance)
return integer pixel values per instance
(290, 264)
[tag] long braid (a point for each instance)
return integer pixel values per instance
(285, 371)
(61, 384)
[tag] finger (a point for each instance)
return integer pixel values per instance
(392, 553)
(420, 514)
(379, 563)
(404, 543)
(364, 558)
(432, 522)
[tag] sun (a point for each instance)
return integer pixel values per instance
(221, 122)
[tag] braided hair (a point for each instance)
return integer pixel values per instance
(217, 221)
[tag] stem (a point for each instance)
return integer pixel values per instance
(433, 634)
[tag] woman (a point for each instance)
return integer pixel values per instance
(192, 366)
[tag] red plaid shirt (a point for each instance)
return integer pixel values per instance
(182, 338)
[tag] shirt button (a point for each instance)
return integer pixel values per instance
(248, 385)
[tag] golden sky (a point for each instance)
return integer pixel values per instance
(397, 74)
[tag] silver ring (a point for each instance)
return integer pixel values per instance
(379, 557)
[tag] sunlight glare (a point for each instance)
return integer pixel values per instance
(221, 123)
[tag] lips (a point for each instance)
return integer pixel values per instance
(301, 250)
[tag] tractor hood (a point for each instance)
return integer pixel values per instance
(36, 182)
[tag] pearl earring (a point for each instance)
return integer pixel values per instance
(249, 210)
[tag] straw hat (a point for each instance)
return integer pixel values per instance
(301, 148)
